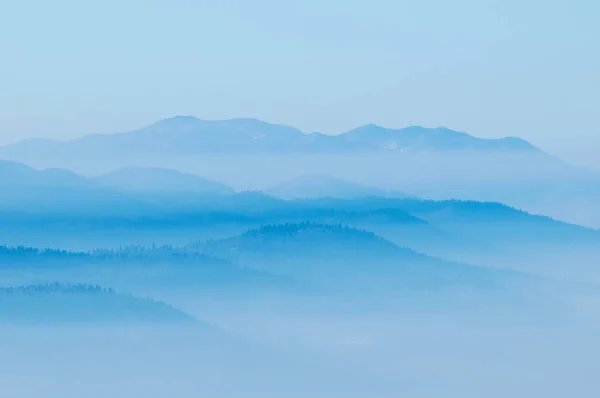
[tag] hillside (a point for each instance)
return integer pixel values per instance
(349, 259)
(315, 186)
(473, 218)
(140, 268)
(153, 180)
(58, 303)
(56, 191)
(15, 174)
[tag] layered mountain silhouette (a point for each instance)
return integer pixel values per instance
(473, 221)
(55, 208)
(14, 174)
(426, 162)
(161, 198)
(130, 191)
(137, 267)
(25, 189)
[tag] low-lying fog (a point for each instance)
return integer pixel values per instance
(248, 295)
(303, 355)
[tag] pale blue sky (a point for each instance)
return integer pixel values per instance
(526, 68)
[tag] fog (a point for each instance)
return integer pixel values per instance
(359, 283)
(212, 254)
(299, 354)
(535, 182)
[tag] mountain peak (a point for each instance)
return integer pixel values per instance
(517, 143)
(181, 119)
(175, 122)
(369, 129)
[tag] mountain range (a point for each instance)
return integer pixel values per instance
(189, 135)
(281, 258)
(142, 186)
(249, 154)
(135, 205)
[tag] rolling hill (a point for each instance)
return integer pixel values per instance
(350, 260)
(139, 269)
(75, 304)
(315, 186)
(56, 191)
(152, 180)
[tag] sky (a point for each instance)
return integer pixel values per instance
(490, 68)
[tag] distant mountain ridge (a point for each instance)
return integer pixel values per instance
(436, 163)
(138, 267)
(189, 135)
(25, 189)
(18, 174)
(154, 179)
(321, 185)
(417, 138)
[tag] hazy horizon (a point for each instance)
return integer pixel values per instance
(526, 70)
(446, 245)
(576, 160)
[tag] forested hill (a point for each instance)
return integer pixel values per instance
(81, 303)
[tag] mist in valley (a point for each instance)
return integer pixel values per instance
(325, 280)
(299, 199)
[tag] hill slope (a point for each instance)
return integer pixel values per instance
(57, 303)
(135, 268)
(154, 180)
(315, 186)
(349, 259)
(55, 191)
